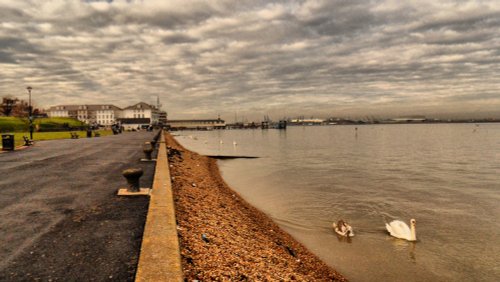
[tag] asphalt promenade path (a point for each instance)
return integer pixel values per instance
(60, 218)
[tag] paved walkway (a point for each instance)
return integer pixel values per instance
(59, 215)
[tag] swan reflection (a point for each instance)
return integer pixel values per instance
(405, 246)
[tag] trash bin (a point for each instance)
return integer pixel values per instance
(8, 142)
(89, 133)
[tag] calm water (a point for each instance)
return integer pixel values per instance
(446, 176)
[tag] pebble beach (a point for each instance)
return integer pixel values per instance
(223, 238)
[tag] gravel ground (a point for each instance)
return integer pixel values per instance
(223, 238)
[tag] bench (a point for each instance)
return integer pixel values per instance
(74, 135)
(97, 134)
(27, 141)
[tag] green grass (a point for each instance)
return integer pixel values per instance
(52, 124)
(59, 120)
(39, 136)
(45, 128)
(14, 124)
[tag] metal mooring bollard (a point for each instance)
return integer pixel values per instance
(148, 150)
(153, 143)
(132, 175)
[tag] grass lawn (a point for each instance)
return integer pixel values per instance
(16, 124)
(9, 124)
(38, 136)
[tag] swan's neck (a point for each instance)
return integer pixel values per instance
(413, 233)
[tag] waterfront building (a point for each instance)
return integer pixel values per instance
(70, 111)
(162, 117)
(134, 123)
(107, 114)
(142, 110)
(302, 121)
(200, 124)
(408, 119)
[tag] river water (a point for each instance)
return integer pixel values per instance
(446, 176)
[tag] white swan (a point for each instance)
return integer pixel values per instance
(343, 228)
(399, 229)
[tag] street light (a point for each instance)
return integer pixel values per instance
(29, 88)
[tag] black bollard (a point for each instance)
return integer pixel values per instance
(133, 175)
(147, 148)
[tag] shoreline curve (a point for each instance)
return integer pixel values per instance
(223, 237)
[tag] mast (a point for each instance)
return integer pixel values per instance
(158, 105)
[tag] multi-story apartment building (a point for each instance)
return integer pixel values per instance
(106, 114)
(63, 111)
(91, 114)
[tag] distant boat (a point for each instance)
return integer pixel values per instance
(278, 125)
(282, 124)
(265, 125)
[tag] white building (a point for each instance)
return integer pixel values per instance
(142, 110)
(105, 115)
(302, 121)
(63, 111)
(197, 124)
(134, 123)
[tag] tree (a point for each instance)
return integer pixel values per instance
(8, 105)
(14, 107)
(21, 109)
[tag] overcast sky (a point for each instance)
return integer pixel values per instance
(254, 58)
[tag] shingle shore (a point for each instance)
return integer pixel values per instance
(224, 238)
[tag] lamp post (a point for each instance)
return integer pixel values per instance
(29, 88)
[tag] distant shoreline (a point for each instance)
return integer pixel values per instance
(397, 122)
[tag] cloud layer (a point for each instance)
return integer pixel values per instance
(310, 57)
